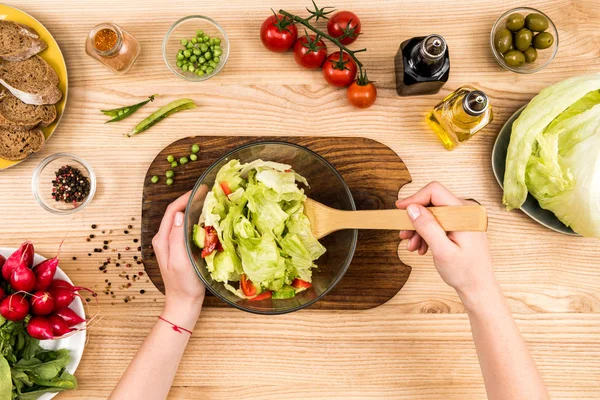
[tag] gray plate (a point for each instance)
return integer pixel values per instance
(531, 207)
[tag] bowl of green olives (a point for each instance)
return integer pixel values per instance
(524, 40)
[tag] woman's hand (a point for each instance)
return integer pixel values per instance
(183, 288)
(461, 258)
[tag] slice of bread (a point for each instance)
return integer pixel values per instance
(17, 145)
(18, 42)
(33, 81)
(14, 114)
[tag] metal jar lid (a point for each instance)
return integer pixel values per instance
(475, 102)
(433, 47)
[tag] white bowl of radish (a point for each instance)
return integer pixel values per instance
(75, 343)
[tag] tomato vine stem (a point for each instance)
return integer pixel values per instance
(306, 23)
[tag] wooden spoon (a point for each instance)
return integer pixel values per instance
(325, 220)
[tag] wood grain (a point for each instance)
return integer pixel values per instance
(418, 344)
(372, 171)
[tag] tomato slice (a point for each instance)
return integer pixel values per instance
(247, 286)
(300, 284)
(211, 241)
(264, 295)
(225, 188)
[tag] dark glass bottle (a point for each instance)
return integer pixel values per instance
(422, 65)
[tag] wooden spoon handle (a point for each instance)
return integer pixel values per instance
(451, 218)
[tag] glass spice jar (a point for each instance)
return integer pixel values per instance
(113, 47)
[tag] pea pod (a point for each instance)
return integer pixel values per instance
(162, 113)
(123, 112)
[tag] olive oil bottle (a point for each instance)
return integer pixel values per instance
(460, 115)
(422, 65)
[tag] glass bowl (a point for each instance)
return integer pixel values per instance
(186, 28)
(545, 56)
(44, 174)
(326, 186)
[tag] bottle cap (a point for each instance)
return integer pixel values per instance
(433, 47)
(475, 102)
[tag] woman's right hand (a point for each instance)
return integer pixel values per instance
(462, 258)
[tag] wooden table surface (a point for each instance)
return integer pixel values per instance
(416, 346)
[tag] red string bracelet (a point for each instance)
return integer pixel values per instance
(176, 328)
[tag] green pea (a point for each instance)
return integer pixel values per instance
(216, 59)
(217, 41)
(217, 47)
(174, 164)
(169, 182)
(187, 53)
(191, 68)
(203, 67)
(154, 179)
(197, 52)
(170, 173)
(193, 157)
(195, 148)
(120, 112)
(199, 72)
(179, 64)
(211, 41)
(170, 158)
(180, 56)
(201, 60)
(190, 45)
(212, 64)
(207, 55)
(203, 48)
(209, 70)
(205, 38)
(183, 160)
(194, 40)
(199, 33)
(184, 42)
(184, 66)
(193, 59)
(217, 53)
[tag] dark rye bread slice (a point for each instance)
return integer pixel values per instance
(17, 145)
(18, 42)
(14, 114)
(33, 81)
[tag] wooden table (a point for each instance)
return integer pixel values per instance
(418, 345)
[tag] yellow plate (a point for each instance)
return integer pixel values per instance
(52, 55)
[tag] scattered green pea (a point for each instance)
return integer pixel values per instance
(154, 179)
(170, 158)
(183, 160)
(193, 157)
(200, 33)
(170, 173)
(174, 164)
(169, 182)
(195, 148)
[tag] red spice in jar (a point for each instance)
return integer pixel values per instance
(105, 39)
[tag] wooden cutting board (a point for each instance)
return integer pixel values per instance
(374, 174)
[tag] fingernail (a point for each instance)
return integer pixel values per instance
(413, 212)
(178, 219)
(407, 244)
(397, 202)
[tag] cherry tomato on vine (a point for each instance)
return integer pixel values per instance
(361, 95)
(309, 52)
(278, 33)
(344, 24)
(338, 73)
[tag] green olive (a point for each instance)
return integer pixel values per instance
(530, 55)
(543, 40)
(503, 40)
(515, 21)
(523, 39)
(514, 58)
(536, 22)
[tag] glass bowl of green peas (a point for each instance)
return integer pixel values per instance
(195, 48)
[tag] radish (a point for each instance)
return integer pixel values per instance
(59, 325)
(64, 293)
(40, 328)
(2, 260)
(44, 272)
(22, 279)
(1, 293)
(70, 317)
(14, 307)
(22, 257)
(42, 303)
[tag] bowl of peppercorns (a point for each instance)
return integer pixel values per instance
(63, 183)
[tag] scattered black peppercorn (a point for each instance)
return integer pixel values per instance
(142, 291)
(89, 254)
(106, 242)
(129, 226)
(105, 247)
(74, 258)
(94, 226)
(135, 240)
(126, 232)
(92, 236)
